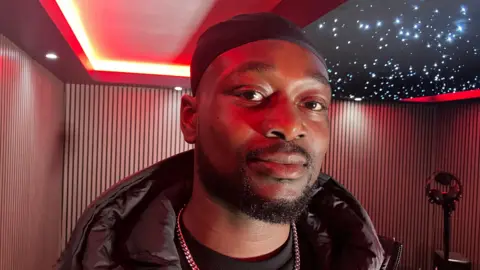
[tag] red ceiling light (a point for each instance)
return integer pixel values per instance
(447, 97)
(96, 62)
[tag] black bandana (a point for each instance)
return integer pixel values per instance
(240, 30)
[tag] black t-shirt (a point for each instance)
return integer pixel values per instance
(208, 259)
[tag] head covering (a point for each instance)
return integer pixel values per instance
(240, 30)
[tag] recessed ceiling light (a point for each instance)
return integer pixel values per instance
(51, 56)
(357, 99)
(178, 88)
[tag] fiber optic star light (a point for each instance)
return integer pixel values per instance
(397, 50)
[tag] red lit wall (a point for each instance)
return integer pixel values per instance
(381, 153)
(458, 151)
(31, 147)
(112, 132)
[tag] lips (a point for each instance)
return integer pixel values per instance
(279, 165)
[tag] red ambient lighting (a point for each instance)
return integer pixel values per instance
(82, 45)
(447, 97)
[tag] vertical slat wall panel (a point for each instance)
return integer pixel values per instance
(381, 153)
(31, 154)
(112, 132)
(458, 152)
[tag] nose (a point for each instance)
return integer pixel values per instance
(286, 135)
(284, 123)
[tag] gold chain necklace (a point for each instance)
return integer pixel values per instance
(194, 266)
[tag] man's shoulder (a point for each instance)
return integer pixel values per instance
(116, 203)
(348, 225)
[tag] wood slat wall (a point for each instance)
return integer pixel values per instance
(31, 157)
(458, 152)
(112, 132)
(381, 152)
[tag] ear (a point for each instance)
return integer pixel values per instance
(188, 118)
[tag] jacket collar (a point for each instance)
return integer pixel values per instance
(160, 216)
(135, 219)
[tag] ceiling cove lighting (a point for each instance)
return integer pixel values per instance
(472, 94)
(71, 14)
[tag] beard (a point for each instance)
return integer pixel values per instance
(235, 190)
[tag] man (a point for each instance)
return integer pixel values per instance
(251, 195)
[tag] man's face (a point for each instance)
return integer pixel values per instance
(261, 128)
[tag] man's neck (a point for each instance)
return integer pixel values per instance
(230, 233)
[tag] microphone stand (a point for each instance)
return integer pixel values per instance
(448, 208)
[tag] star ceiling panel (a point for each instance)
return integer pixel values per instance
(394, 50)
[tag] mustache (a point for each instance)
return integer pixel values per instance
(285, 147)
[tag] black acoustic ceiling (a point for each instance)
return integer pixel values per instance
(392, 50)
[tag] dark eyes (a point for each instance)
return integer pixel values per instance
(314, 106)
(255, 96)
(251, 95)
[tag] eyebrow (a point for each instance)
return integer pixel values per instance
(261, 67)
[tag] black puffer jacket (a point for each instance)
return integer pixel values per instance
(131, 226)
